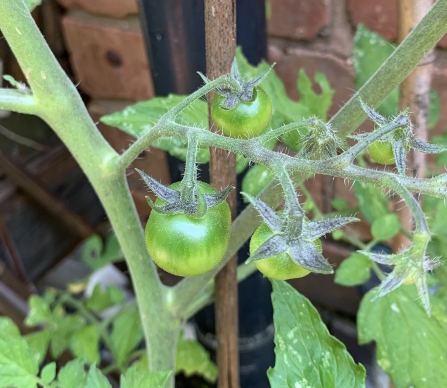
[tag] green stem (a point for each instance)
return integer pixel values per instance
(59, 104)
(12, 99)
(189, 181)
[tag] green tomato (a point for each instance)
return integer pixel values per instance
(382, 152)
(248, 119)
(279, 267)
(187, 246)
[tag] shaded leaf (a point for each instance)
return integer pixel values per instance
(411, 347)
(192, 358)
(103, 298)
(48, 372)
(371, 200)
(138, 378)
(38, 343)
(95, 379)
(385, 227)
(8, 327)
(39, 311)
(354, 270)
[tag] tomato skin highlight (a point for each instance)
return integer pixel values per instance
(248, 119)
(279, 267)
(382, 152)
(187, 246)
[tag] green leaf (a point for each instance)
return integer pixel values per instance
(101, 299)
(354, 270)
(85, 344)
(339, 204)
(411, 347)
(18, 367)
(385, 227)
(73, 375)
(371, 200)
(38, 343)
(306, 354)
(96, 379)
(8, 327)
(137, 378)
(39, 311)
(92, 252)
(192, 358)
(138, 118)
(126, 335)
(441, 158)
(61, 332)
(317, 104)
(48, 372)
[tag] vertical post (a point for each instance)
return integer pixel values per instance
(415, 94)
(220, 40)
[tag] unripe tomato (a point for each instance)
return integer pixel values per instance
(187, 246)
(382, 152)
(248, 119)
(279, 267)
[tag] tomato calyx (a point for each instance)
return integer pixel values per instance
(410, 264)
(245, 91)
(399, 134)
(188, 200)
(299, 244)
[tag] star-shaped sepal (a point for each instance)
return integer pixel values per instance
(196, 206)
(411, 264)
(300, 248)
(243, 91)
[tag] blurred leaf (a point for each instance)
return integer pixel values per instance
(18, 366)
(61, 332)
(354, 270)
(192, 358)
(256, 180)
(434, 109)
(39, 311)
(385, 227)
(441, 158)
(339, 204)
(38, 343)
(135, 378)
(125, 336)
(85, 344)
(101, 299)
(92, 252)
(371, 200)
(95, 379)
(8, 327)
(411, 347)
(73, 375)
(317, 104)
(306, 354)
(48, 372)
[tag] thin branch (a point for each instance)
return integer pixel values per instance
(17, 101)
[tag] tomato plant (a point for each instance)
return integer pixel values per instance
(256, 179)
(188, 246)
(248, 119)
(279, 267)
(382, 152)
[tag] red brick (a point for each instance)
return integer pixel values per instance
(339, 72)
(112, 8)
(298, 19)
(379, 16)
(108, 56)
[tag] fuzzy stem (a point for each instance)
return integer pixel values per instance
(414, 206)
(189, 181)
(12, 99)
(153, 133)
